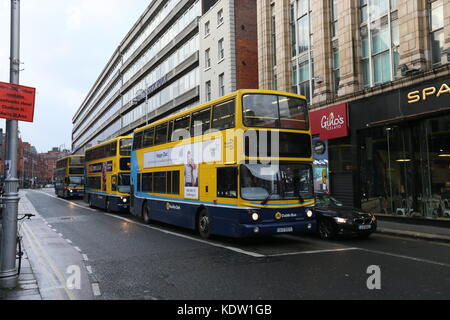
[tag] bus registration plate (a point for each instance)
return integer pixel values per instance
(285, 230)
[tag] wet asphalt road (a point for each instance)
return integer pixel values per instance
(133, 261)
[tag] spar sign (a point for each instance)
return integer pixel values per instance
(17, 102)
(330, 123)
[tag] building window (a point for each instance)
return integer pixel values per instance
(336, 71)
(274, 37)
(208, 90)
(220, 17)
(222, 85)
(380, 45)
(437, 31)
(207, 58)
(302, 63)
(334, 16)
(207, 29)
(221, 50)
(293, 32)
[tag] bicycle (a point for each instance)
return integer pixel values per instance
(20, 253)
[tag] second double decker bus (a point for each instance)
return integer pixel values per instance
(237, 166)
(69, 177)
(108, 174)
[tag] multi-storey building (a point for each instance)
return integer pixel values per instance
(153, 72)
(377, 76)
(228, 48)
(158, 68)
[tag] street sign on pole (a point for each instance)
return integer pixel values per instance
(17, 102)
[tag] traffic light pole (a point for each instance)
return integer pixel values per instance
(8, 269)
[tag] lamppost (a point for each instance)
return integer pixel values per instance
(136, 100)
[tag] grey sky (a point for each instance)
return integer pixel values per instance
(64, 46)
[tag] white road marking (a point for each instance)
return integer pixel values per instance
(78, 249)
(96, 289)
(85, 257)
(406, 257)
(72, 203)
(89, 269)
(61, 235)
(69, 241)
(312, 252)
(55, 230)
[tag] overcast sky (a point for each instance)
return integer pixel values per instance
(65, 44)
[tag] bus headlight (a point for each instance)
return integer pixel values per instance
(309, 213)
(255, 216)
(124, 200)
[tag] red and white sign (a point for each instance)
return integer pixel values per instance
(330, 123)
(17, 102)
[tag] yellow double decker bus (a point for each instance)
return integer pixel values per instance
(108, 175)
(69, 177)
(237, 166)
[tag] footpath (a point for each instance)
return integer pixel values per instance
(416, 231)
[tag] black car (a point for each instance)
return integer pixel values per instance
(334, 219)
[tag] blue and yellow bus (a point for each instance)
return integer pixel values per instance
(237, 166)
(69, 177)
(108, 175)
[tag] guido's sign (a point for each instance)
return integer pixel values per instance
(330, 123)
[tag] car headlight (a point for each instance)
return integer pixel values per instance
(341, 220)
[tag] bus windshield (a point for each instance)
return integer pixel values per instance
(274, 111)
(125, 147)
(75, 181)
(76, 161)
(276, 182)
(124, 183)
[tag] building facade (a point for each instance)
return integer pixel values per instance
(158, 69)
(228, 48)
(376, 74)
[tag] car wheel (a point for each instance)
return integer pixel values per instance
(326, 229)
(203, 224)
(146, 213)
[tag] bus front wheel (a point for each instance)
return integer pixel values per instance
(203, 224)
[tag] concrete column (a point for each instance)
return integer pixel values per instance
(283, 45)
(447, 30)
(349, 46)
(322, 50)
(414, 33)
(264, 44)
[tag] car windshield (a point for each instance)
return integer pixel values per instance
(276, 182)
(124, 183)
(327, 201)
(76, 181)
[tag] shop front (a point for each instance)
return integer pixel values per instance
(401, 151)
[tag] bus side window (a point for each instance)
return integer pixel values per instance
(148, 139)
(201, 122)
(161, 134)
(137, 141)
(224, 116)
(227, 182)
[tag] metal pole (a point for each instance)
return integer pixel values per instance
(8, 269)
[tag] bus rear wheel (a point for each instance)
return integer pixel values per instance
(145, 213)
(203, 224)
